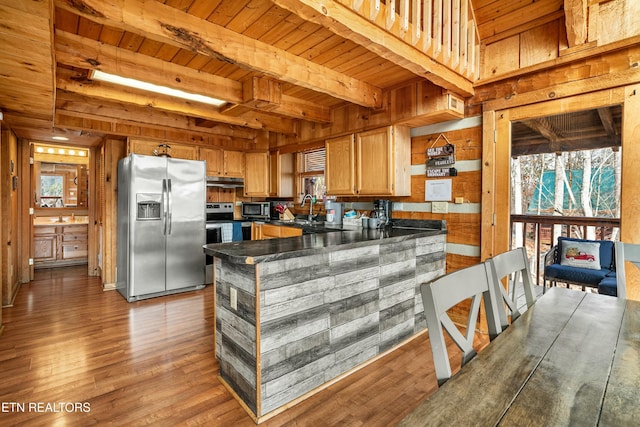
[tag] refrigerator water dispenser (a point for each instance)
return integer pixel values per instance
(148, 207)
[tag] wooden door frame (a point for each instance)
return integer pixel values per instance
(26, 203)
(496, 194)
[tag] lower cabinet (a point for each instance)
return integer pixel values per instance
(60, 245)
(269, 231)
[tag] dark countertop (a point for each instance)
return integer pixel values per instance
(322, 241)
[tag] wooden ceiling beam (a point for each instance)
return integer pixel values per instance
(606, 117)
(80, 52)
(112, 92)
(75, 105)
(351, 25)
(169, 25)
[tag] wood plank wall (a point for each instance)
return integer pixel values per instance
(10, 230)
(463, 219)
(546, 40)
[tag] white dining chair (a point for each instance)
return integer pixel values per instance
(625, 252)
(514, 265)
(440, 295)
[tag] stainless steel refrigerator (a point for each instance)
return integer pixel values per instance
(161, 226)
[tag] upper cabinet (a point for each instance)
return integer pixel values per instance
(155, 148)
(256, 179)
(214, 158)
(223, 162)
(233, 164)
(340, 167)
(372, 163)
(281, 174)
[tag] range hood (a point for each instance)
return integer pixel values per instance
(225, 182)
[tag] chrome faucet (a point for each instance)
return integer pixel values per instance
(304, 199)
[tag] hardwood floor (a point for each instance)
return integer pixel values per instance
(72, 354)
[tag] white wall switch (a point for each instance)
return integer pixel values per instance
(440, 207)
(233, 296)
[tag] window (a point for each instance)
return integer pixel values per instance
(311, 173)
(51, 190)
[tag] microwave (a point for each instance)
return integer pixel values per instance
(256, 210)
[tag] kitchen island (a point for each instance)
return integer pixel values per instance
(295, 314)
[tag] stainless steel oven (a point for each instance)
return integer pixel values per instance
(256, 210)
(216, 214)
(219, 223)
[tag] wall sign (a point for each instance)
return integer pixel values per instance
(438, 172)
(437, 157)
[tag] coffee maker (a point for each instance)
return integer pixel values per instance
(382, 209)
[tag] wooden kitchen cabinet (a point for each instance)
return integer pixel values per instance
(372, 163)
(222, 162)
(156, 148)
(233, 164)
(270, 231)
(256, 178)
(60, 245)
(340, 166)
(214, 157)
(281, 174)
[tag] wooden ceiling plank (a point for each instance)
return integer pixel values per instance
(347, 23)
(486, 11)
(226, 10)
(248, 15)
(288, 26)
(534, 23)
(131, 41)
(506, 21)
(86, 28)
(67, 21)
(111, 36)
(164, 23)
(272, 18)
(83, 53)
(203, 9)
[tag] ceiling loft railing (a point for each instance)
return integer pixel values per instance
(444, 30)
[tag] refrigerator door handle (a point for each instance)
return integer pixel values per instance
(170, 206)
(164, 206)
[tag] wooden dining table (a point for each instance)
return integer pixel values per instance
(573, 359)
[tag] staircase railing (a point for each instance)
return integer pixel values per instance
(444, 30)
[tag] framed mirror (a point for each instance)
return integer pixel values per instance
(61, 177)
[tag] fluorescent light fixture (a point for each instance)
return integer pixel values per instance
(60, 138)
(150, 87)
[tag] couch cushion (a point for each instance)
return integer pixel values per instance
(606, 251)
(587, 276)
(608, 286)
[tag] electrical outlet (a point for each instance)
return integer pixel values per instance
(439, 207)
(233, 296)
(459, 200)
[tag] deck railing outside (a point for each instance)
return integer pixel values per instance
(538, 234)
(442, 29)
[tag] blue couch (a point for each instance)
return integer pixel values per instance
(604, 279)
